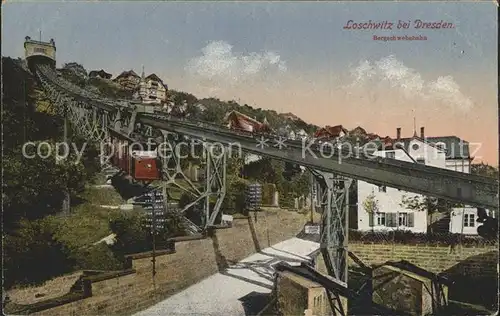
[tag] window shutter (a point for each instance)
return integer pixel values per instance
(411, 218)
(370, 219)
(389, 219)
(394, 219)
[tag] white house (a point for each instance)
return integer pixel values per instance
(152, 89)
(464, 220)
(449, 152)
(389, 213)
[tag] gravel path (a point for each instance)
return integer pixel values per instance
(240, 290)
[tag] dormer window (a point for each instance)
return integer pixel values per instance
(441, 146)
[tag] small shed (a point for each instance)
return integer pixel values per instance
(297, 294)
(301, 288)
(406, 288)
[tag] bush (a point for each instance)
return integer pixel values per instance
(287, 200)
(235, 199)
(268, 190)
(32, 255)
(408, 237)
(132, 236)
(98, 257)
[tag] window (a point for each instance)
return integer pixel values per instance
(380, 219)
(390, 154)
(441, 146)
(421, 161)
(382, 188)
(403, 219)
(40, 50)
(469, 220)
(415, 146)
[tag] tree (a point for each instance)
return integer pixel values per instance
(485, 170)
(75, 73)
(431, 205)
(370, 205)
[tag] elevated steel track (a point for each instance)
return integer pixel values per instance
(437, 182)
(97, 118)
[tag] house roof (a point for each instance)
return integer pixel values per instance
(358, 131)
(154, 77)
(415, 272)
(330, 131)
(127, 74)
(239, 115)
(100, 72)
(454, 147)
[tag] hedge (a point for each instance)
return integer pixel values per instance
(408, 237)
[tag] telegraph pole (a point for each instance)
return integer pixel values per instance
(153, 231)
(312, 198)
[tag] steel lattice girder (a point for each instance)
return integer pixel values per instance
(431, 181)
(333, 193)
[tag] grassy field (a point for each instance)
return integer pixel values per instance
(88, 221)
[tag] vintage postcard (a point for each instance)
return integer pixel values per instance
(250, 158)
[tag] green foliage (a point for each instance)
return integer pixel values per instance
(485, 170)
(234, 202)
(370, 204)
(179, 98)
(110, 89)
(132, 236)
(97, 257)
(35, 187)
(287, 201)
(268, 190)
(408, 237)
(75, 73)
(427, 204)
(32, 255)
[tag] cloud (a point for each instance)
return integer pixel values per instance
(408, 82)
(219, 65)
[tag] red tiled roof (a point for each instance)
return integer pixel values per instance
(240, 121)
(330, 131)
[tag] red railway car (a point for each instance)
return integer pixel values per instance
(145, 165)
(140, 165)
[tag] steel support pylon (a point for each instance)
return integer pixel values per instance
(211, 195)
(333, 195)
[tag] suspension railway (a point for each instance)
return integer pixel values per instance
(123, 122)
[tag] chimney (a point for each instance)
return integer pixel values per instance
(422, 135)
(398, 133)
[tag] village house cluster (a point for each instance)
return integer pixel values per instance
(389, 212)
(148, 89)
(390, 207)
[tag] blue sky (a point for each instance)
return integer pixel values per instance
(307, 35)
(282, 55)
